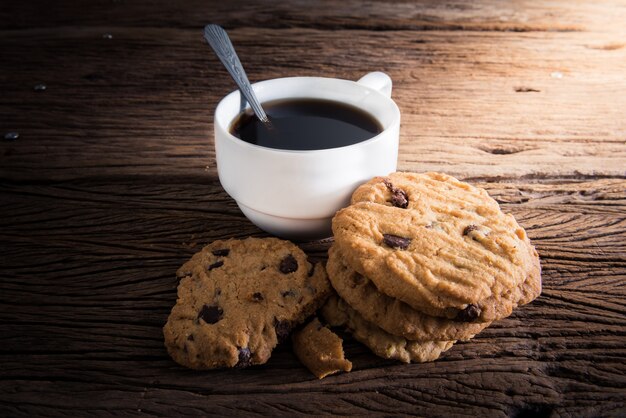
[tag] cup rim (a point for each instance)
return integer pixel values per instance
(226, 130)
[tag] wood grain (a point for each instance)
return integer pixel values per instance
(87, 289)
(142, 102)
(479, 15)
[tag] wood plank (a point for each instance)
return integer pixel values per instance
(88, 281)
(142, 102)
(480, 15)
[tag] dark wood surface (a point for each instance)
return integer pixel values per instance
(112, 185)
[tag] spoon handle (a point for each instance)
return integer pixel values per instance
(217, 37)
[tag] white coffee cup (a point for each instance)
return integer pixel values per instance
(295, 194)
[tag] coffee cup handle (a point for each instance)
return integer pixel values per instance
(378, 81)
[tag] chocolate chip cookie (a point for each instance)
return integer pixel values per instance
(392, 315)
(238, 298)
(338, 314)
(440, 245)
(320, 350)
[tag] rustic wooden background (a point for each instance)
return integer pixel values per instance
(112, 185)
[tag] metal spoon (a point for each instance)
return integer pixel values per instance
(217, 37)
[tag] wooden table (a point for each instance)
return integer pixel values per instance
(112, 184)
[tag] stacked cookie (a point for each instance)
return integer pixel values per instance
(421, 261)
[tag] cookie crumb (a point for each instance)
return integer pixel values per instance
(320, 350)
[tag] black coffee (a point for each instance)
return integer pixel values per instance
(306, 124)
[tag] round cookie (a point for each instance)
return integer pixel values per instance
(238, 298)
(438, 244)
(338, 313)
(390, 314)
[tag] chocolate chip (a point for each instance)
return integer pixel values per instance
(288, 293)
(245, 357)
(311, 271)
(218, 291)
(470, 228)
(358, 279)
(283, 328)
(434, 225)
(190, 337)
(215, 265)
(257, 296)
(470, 313)
(221, 253)
(395, 241)
(211, 314)
(288, 265)
(399, 199)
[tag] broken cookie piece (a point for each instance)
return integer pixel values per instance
(320, 350)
